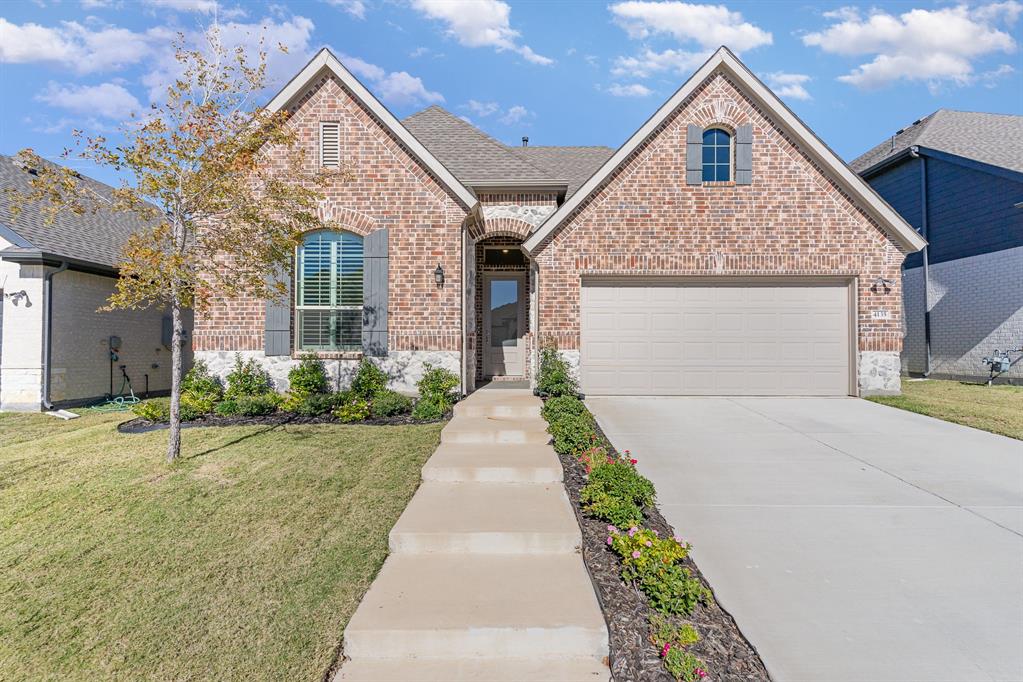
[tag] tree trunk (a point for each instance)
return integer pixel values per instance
(174, 437)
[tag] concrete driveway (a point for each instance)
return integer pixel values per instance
(850, 541)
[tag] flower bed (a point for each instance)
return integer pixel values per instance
(663, 620)
(249, 398)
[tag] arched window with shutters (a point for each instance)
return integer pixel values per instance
(329, 292)
(717, 155)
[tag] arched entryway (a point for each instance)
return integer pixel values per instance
(502, 309)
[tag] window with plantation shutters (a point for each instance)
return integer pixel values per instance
(330, 144)
(329, 292)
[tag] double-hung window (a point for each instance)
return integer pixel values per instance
(328, 292)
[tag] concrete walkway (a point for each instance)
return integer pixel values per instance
(485, 580)
(851, 541)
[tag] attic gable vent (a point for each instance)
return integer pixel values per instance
(330, 144)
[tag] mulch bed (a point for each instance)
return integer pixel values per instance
(140, 425)
(722, 647)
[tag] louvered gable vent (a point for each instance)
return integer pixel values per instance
(330, 144)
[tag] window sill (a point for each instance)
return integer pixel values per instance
(719, 183)
(329, 354)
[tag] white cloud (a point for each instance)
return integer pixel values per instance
(933, 46)
(479, 23)
(631, 90)
(482, 109)
(790, 85)
(707, 25)
(107, 100)
(397, 87)
(514, 115)
(419, 52)
(96, 4)
(357, 8)
(990, 78)
(200, 6)
(72, 45)
(649, 62)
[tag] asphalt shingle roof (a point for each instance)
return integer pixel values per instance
(475, 157)
(94, 237)
(994, 139)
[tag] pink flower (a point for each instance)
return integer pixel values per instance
(649, 544)
(610, 540)
(633, 531)
(636, 554)
(666, 649)
(700, 672)
(678, 539)
(633, 461)
(656, 533)
(611, 529)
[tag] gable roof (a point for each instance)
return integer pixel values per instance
(325, 62)
(91, 238)
(575, 164)
(993, 139)
(897, 228)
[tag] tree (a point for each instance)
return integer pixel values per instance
(220, 216)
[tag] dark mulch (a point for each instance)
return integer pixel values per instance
(728, 655)
(140, 425)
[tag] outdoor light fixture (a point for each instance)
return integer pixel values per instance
(882, 283)
(438, 275)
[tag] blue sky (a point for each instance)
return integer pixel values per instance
(579, 72)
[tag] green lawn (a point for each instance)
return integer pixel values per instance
(998, 409)
(243, 561)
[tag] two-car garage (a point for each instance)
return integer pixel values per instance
(716, 337)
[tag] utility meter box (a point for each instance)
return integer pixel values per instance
(115, 343)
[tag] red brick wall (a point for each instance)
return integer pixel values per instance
(793, 220)
(389, 189)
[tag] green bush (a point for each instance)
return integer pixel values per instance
(158, 410)
(438, 383)
(352, 408)
(390, 403)
(673, 589)
(430, 409)
(247, 379)
(554, 378)
(258, 405)
(315, 405)
(369, 381)
(309, 377)
(617, 493)
(652, 564)
(195, 405)
(202, 384)
(564, 405)
(227, 408)
(573, 433)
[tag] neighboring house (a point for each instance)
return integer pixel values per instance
(723, 249)
(957, 177)
(55, 347)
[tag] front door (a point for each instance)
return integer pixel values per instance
(503, 324)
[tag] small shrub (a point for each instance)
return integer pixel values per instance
(438, 383)
(573, 433)
(257, 405)
(155, 410)
(352, 408)
(247, 379)
(554, 378)
(227, 408)
(652, 564)
(193, 406)
(390, 403)
(309, 377)
(314, 405)
(199, 382)
(430, 409)
(616, 492)
(563, 405)
(369, 381)
(663, 630)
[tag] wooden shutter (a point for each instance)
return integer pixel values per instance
(277, 323)
(330, 144)
(694, 155)
(374, 288)
(744, 155)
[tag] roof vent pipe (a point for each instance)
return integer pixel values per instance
(525, 141)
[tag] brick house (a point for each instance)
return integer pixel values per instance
(723, 249)
(957, 177)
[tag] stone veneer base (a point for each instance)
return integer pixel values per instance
(880, 373)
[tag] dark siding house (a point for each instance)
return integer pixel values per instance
(957, 177)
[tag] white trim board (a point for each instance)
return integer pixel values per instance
(326, 61)
(897, 228)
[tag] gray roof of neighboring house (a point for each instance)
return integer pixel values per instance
(474, 157)
(94, 237)
(994, 139)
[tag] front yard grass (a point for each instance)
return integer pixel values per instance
(244, 560)
(998, 409)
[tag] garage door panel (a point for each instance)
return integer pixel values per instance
(715, 340)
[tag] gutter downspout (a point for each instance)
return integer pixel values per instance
(915, 153)
(48, 331)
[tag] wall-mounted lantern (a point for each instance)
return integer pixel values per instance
(438, 275)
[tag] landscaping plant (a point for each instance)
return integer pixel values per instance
(616, 492)
(436, 393)
(248, 378)
(672, 640)
(315, 405)
(202, 384)
(389, 403)
(573, 433)
(351, 408)
(157, 410)
(369, 380)
(652, 564)
(555, 409)
(554, 378)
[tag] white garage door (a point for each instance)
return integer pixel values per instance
(728, 339)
